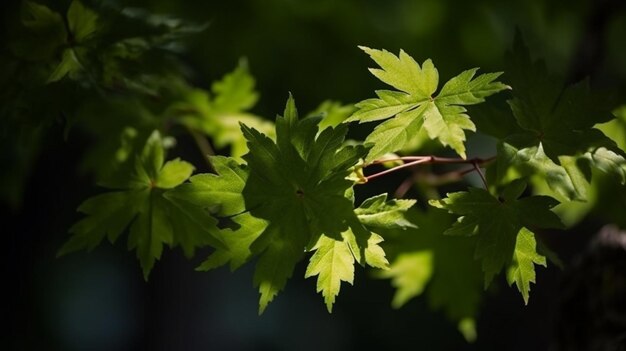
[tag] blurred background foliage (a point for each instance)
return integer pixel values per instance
(74, 104)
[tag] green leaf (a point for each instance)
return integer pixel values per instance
(154, 219)
(68, 66)
(333, 262)
(150, 161)
(497, 224)
(221, 192)
(403, 73)
(235, 92)
(219, 117)
(378, 212)
(566, 178)
(238, 241)
(108, 215)
(194, 227)
(414, 106)
(297, 184)
(173, 173)
(374, 253)
(409, 274)
(522, 268)
(42, 34)
(150, 230)
(616, 128)
(608, 162)
(82, 21)
(396, 133)
(558, 139)
(280, 253)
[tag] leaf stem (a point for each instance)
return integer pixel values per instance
(482, 176)
(205, 148)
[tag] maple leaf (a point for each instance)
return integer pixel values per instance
(497, 225)
(221, 193)
(334, 259)
(415, 106)
(378, 212)
(522, 268)
(142, 205)
(298, 185)
(558, 139)
(409, 274)
(218, 115)
(333, 263)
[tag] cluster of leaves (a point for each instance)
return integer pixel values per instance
(292, 193)
(414, 107)
(142, 202)
(555, 136)
(547, 138)
(54, 59)
(113, 74)
(286, 192)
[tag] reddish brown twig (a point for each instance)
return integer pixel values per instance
(411, 161)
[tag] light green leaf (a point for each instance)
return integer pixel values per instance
(374, 253)
(396, 133)
(615, 129)
(608, 162)
(464, 89)
(219, 116)
(403, 73)
(68, 65)
(235, 91)
(333, 263)
(467, 327)
(151, 159)
(565, 178)
(446, 123)
(378, 212)
(82, 21)
(443, 116)
(173, 173)
(333, 260)
(238, 241)
(409, 274)
(522, 268)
